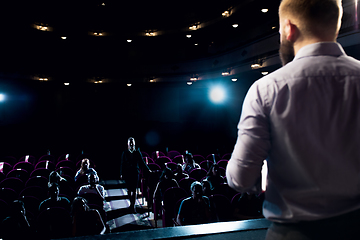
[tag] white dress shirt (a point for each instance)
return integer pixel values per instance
(305, 120)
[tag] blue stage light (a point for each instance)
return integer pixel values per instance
(2, 97)
(217, 94)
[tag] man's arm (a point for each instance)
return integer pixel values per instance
(243, 171)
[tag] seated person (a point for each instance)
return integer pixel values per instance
(189, 164)
(92, 187)
(85, 221)
(166, 181)
(195, 209)
(179, 173)
(54, 177)
(85, 169)
(214, 177)
(206, 187)
(54, 200)
(16, 225)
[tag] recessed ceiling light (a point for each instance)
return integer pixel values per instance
(226, 14)
(189, 83)
(235, 25)
(264, 73)
(188, 36)
(234, 79)
(66, 84)
(129, 40)
(255, 66)
(129, 84)
(264, 10)
(63, 38)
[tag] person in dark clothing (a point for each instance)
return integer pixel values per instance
(179, 173)
(85, 221)
(214, 177)
(16, 226)
(195, 209)
(165, 182)
(54, 200)
(131, 164)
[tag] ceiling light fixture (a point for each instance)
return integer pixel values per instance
(150, 34)
(225, 73)
(255, 66)
(235, 25)
(264, 73)
(188, 36)
(189, 83)
(129, 84)
(129, 40)
(226, 14)
(195, 26)
(234, 79)
(63, 38)
(264, 10)
(66, 84)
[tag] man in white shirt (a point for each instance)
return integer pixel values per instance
(305, 120)
(92, 187)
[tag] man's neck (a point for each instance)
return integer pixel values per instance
(300, 44)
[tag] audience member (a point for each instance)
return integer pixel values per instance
(54, 200)
(16, 226)
(179, 173)
(166, 181)
(85, 169)
(189, 164)
(54, 177)
(206, 187)
(85, 221)
(214, 177)
(304, 119)
(195, 209)
(92, 187)
(131, 164)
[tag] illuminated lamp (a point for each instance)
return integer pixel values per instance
(217, 94)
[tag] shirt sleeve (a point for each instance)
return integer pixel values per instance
(243, 171)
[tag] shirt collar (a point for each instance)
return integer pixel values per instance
(321, 48)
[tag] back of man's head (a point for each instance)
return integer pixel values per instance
(314, 18)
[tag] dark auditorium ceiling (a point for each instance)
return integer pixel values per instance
(117, 39)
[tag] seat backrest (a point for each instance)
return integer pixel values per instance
(223, 163)
(178, 159)
(185, 184)
(29, 167)
(66, 163)
(19, 173)
(173, 153)
(198, 174)
(13, 183)
(38, 181)
(47, 164)
(206, 164)
(172, 195)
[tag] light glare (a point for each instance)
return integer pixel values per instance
(217, 94)
(2, 97)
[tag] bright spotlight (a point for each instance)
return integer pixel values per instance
(217, 94)
(2, 97)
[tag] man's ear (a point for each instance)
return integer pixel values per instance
(291, 30)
